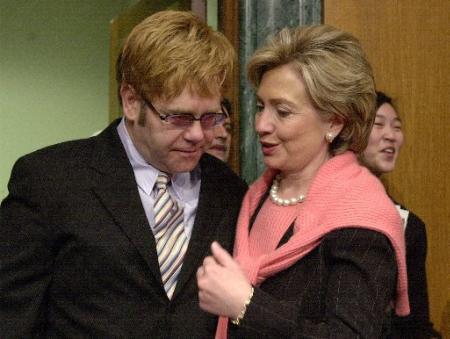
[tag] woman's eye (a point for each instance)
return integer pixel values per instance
(283, 113)
(259, 108)
(379, 124)
(398, 128)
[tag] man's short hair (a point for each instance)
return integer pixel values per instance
(170, 50)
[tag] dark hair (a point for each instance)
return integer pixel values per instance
(382, 98)
(226, 106)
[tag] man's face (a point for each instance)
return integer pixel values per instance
(220, 147)
(166, 147)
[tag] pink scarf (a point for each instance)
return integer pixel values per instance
(342, 194)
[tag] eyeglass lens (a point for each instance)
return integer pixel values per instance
(207, 120)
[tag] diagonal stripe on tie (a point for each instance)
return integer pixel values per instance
(173, 245)
(171, 236)
(171, 241)
(176, 215)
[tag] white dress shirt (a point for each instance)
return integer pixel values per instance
(185, 187)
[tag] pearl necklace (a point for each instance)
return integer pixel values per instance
(283, 202)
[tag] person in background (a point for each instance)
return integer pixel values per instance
(101, 238)
(221, 144)
(380, 156)
(319, 249)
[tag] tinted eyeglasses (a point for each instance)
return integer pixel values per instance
(183, 120)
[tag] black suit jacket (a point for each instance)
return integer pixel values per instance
(77, 254)
(340, 289)
(417, 324)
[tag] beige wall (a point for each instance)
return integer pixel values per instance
(408, 44)
(53, 73)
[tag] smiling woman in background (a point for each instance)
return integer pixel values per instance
(319, 248)
(380, 156)
(386, 138)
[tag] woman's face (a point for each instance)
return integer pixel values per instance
(385, 141)
(291, 131)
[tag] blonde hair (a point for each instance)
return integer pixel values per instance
(337, 76)
(170, 50)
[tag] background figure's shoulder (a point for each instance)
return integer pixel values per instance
(415, 233)
(411, 219)
(222, 175)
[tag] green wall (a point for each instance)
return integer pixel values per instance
(53, 73)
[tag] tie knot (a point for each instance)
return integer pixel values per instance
(161, 181)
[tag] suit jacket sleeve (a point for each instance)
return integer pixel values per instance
(25, 255)
(417, 324)
(361, 278)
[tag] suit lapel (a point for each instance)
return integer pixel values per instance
(118, 192)
(208, 218)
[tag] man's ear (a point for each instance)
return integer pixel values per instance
(131, 103)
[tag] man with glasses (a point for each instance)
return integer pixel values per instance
(102, 237)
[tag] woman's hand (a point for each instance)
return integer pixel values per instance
(223, 286)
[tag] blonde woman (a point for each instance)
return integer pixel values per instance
(319, 250)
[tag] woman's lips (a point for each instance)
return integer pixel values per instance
(268, 148)
(388, 152)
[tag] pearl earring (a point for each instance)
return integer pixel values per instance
(329, 137)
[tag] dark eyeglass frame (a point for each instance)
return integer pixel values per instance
(184, 120)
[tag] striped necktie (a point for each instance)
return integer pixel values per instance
(171, 241)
